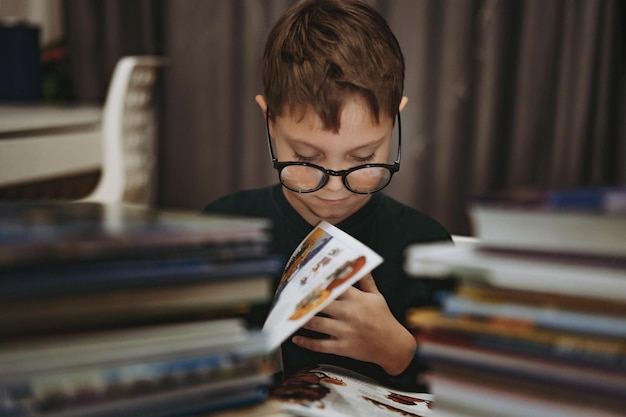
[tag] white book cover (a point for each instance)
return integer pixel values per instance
(556, 275)
(580, 220)
(575, 232)
(459, 398)
(105, 347)
(325, 264)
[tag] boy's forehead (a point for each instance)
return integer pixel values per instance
(358, 129)
(308, 115)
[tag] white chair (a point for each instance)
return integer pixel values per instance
(129, 134)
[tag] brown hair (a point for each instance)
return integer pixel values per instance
(321, 51)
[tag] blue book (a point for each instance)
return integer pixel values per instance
(597, 199)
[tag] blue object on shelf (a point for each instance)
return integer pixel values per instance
(20, 67)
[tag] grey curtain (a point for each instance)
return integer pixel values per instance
(508, 94)
(215, 140)
(99, 32)
(503, 94)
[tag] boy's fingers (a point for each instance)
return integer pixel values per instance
(316, 345)
(367, 284)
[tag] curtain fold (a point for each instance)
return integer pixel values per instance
(507, 95)
(214, 139)
(100, 32)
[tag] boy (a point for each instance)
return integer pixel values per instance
(333, 75)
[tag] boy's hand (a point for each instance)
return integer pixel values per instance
(361, 326)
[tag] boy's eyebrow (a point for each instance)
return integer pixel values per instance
(371, 143)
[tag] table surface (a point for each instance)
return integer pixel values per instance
(19, 117)
(44, 141)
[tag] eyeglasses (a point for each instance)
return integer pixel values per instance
(304, 177)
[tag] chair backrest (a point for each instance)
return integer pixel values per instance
(129, 134)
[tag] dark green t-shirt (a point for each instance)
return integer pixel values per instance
(384, 224)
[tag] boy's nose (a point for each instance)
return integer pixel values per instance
(335, 183)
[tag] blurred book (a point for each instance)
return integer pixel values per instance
(579, 220)
(151, 370)
(114, 308)
(50, 233)
(130, 311)
(83, 277)
(572, 274)
(462, 396)
(73, 266)
(543, 356)
(595, 323)
(524, 337)
(537, 323)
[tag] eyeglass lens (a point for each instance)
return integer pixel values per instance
(303, 178)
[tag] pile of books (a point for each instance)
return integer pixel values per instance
(114, 310)
(537, 323)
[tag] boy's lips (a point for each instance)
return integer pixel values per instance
(332, 202)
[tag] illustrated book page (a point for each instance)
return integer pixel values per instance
(330, 391)
(324, 265)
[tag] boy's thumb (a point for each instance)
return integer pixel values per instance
(368, 284)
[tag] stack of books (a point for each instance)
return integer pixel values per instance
(537, 323)
(120, 310)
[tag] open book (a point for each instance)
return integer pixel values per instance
(324, 265)
(330, 391)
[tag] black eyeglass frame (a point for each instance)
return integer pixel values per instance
(279, 166)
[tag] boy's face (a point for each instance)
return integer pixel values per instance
(359, 141)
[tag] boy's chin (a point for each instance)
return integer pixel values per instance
(334, 209)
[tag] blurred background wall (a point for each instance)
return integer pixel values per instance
(503, 94)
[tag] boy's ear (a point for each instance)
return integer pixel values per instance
(260, 100)
(403, 102)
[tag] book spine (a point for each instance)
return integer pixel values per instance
(613, 326)
(498, 334)
(582, 354)
(601, 199)
(71, 389)
(460, 354)
(66, 279)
